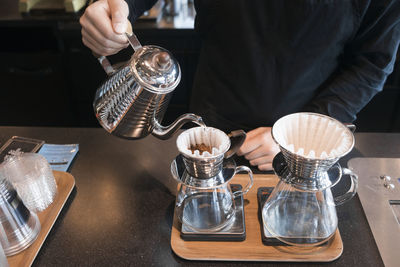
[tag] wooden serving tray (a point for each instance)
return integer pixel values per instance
(65, 184)
(252, 249)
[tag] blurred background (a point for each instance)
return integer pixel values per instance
(48, 77)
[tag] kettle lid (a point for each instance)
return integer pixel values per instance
(156, 69)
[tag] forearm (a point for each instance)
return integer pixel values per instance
(350, 89)
(368, 60)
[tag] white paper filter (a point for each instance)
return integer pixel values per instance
(312, 136)
(208, 136)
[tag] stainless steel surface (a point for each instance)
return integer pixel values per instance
(376, 201)
(203, 164)
(237, 138)
(105, 63)
(205, 168)
(155, 69)
(386, 181)
(132, 102)
(325, 180)
(133, 41)
(229, 169)
(311, 168)
(223, 146)
(180, 174)
(351, 126)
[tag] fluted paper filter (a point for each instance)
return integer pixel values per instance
(313, 136)
(216, 140)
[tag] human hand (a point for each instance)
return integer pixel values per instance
(103, 26)
(259, 148)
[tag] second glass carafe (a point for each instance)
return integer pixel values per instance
(302, 214)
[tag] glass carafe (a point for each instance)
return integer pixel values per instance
(298, 213)
(207, 205)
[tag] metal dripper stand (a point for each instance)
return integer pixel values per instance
(301, 209)
(207, 205)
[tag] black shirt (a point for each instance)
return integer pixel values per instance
(261, 60)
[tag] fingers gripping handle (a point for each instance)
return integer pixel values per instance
(134, 42)
(249, 184)
(339, 200)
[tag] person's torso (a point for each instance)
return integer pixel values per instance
(263, 59)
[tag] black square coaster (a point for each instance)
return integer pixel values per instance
(262, 195)
(234, 232)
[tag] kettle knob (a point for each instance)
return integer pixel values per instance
(163, 60)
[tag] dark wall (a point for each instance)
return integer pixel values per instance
(48, 78)
(382, 113)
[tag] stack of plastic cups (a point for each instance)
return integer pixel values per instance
(32, 177)
(19, 227)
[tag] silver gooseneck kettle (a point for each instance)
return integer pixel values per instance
(132, 102)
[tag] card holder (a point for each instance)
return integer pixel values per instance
(22, 143)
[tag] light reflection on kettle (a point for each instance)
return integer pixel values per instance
(132, 102)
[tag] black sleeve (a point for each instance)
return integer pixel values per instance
(367, 61)
(137, 7)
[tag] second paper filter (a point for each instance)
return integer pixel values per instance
(312, 135)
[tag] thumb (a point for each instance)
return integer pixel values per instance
(119, 15)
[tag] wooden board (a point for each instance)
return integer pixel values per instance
(252, 249)
(65, 184)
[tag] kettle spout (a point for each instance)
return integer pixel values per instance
(166, 132)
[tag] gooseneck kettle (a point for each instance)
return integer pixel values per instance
(132, 102)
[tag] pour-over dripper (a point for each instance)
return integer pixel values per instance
(207, 162)
(301, 208)
(311, 143)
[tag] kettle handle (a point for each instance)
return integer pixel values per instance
(133, 41)
(249, 184)
(339, 200)
(105, 63)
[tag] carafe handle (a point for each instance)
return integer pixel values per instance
(237, 138)
(339, 200)
(249, 184)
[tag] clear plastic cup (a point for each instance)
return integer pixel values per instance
(3, 258)
(19, 227)
(32, 177)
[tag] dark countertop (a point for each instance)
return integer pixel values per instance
(120, 212)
